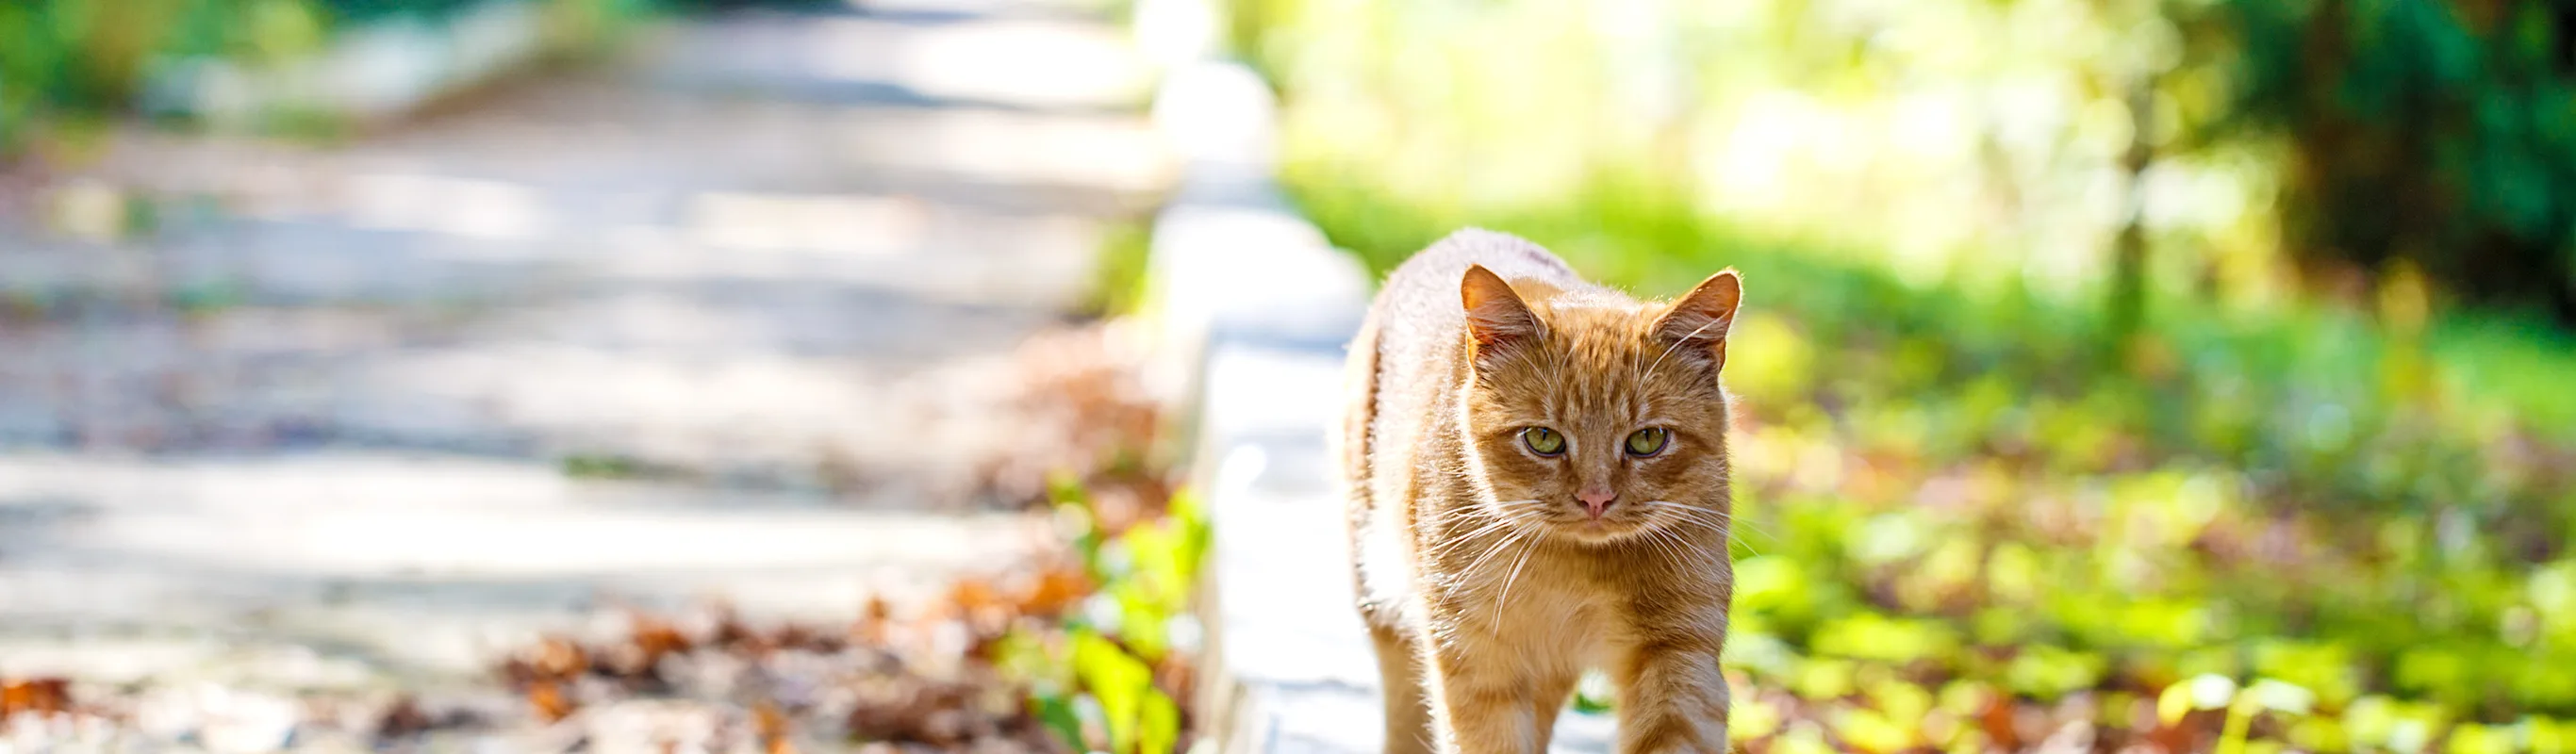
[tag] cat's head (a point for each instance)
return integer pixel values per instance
(1595, 416)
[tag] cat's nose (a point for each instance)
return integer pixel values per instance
(1596, 502)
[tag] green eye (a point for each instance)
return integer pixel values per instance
(1543, 441)
(1649, 441)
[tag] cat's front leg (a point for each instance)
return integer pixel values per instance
(1480, 703)
(1408, 717)
(1672, 697)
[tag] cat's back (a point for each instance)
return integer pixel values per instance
(1418, 313)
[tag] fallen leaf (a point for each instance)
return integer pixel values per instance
(875, 624)
(772, 726)
(42, 696)
(550, 701)
(402, 719)
(1057, 590)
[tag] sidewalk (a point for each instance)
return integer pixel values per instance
(737, 315)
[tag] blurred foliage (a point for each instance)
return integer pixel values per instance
(2441, 133)
(2233, 138)
(1112, 675)
(364, 10)
(1968, 516)
(74, 60)
(1118, 284)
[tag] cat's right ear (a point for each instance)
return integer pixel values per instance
(1495, 314)
(1702, 317)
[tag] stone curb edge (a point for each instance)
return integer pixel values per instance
(371, 71)
(1250, 308)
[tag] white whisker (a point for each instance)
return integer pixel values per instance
(1715, 521)
(1501, 519)
(1733, 523)
(1682, 550)
(1662, 543)
(1516, 572)
(1499, 546)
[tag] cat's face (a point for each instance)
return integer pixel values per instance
(1596, 417)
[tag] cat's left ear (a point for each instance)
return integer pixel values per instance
(1701, 318)
(1496, 316)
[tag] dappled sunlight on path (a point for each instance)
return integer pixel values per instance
(740, 314)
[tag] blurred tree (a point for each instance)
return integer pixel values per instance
(79, 59)
(2441, 133)
(2133, 79)
(368, 9)
(733, 4)
(45, 39)
(2129, 249)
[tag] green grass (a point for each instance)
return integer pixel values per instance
(596, 466)
(1118, 279)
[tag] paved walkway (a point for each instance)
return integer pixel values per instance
(344, 416)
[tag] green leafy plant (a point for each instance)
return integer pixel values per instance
(1144, 576)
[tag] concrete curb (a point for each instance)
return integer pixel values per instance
(1254, 309)
(370, 72)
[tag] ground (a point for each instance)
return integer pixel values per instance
(745, 312)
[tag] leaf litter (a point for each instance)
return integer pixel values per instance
(1069, 649)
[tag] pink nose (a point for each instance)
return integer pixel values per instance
(1596, 502)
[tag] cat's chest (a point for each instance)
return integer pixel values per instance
(1542, 601)
(1568, 627)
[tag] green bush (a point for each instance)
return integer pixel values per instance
(90, 56)
(79, 60)
(2439, 133)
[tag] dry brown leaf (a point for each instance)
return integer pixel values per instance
(402, 719)
(804, 638)
(550, 701)
(875, 624)
(43, 696)
(737, 636)
(1056, 590)
(772, 726)
(557, 658)
(981, 606)
(913, 710)
(648, 642)
(657, 637)
(1998, 722)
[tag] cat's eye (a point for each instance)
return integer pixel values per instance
(1648, 441)
(1543, 441)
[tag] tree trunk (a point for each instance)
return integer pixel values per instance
(2129, 250)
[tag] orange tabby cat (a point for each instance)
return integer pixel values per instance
(1538, 479)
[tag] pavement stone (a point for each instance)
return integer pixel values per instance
(773, 272)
